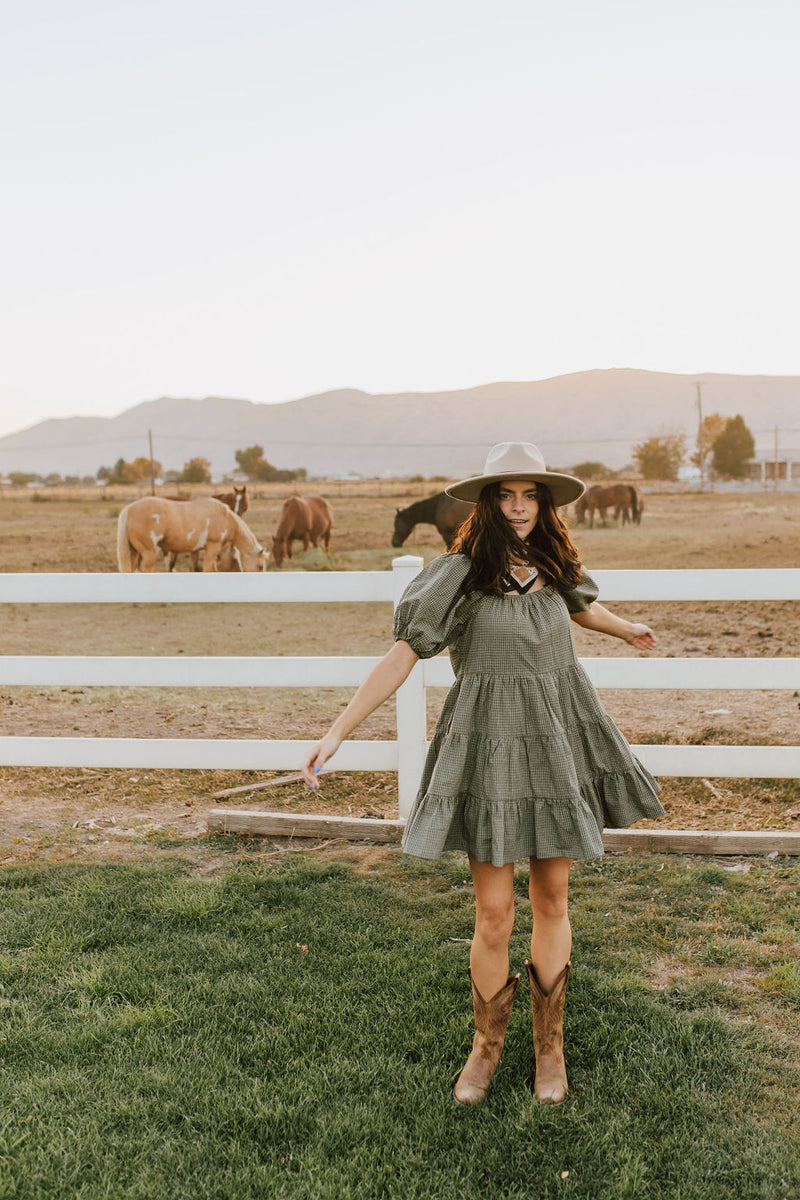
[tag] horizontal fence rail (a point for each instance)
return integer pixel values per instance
(744, 674)
(297, 587)
(405, 754)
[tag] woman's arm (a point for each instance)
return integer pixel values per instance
(381, 683)
(602, 621)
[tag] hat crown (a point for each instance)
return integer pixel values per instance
(517, 458)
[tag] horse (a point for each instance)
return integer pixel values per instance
(306, 518)
(630, 509)
(204, 524)
(238, 502)
(441, 510)
(619, 496)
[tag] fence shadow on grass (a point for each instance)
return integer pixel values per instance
(292, 1028)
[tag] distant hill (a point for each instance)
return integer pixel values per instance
(595, 415)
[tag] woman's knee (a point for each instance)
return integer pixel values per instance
(494, 921)
(549, 904)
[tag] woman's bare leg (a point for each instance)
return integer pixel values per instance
(494, 920)
(551, 942)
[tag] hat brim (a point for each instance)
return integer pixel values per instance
(563, 488)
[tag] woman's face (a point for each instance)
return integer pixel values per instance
(519, 505)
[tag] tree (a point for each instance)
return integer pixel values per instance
(591, 470)
(270, 474)
(251, 461)
(707, 434)
(141, 466)
(660, 457)
(20, 478)
(196, 470)
(732, 448)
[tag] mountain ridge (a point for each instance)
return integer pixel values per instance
(597, 415)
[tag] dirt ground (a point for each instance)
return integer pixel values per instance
(104, 813)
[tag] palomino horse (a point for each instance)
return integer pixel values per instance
(238, 502)
(619, 496)
(306, 518)
(441, 510)
(202, 524)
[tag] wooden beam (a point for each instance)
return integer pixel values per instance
(303, 825)
(703, 841)
(648, 841)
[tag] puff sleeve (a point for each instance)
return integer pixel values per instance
(430, 610)
(581, 597)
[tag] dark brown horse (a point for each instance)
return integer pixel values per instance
(621, 497)
(441, 510)
(303, 518)
(238, 502)
(630, 511)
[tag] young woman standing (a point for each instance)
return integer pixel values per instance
(525, 763)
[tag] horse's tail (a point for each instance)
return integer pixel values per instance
(634, 504)
(124, 556)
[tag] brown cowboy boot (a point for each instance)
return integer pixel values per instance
(550, 1086)
(491, 1021)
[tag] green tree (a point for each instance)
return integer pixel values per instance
(710, 429)
(732, 448)
(661, 457)
(251, 461)
(20, 478)
(196, 470)
(270, 474)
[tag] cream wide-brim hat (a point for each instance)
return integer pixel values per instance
(518, 460)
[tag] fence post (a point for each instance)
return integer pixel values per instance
(411, 722)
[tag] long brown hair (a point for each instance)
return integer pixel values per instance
(492, 545)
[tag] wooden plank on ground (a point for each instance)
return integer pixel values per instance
(303, 825)
(703, 841)
(649, 841)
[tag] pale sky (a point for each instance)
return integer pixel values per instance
(269, 198)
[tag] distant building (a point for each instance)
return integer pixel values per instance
(768, 470)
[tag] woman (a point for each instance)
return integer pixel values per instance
(524, 763)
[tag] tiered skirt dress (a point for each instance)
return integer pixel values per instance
(525, 762)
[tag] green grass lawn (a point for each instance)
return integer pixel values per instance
(291, 1026)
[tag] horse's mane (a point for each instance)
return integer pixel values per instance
(245, 531)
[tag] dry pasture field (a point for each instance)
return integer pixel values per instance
(105, 813)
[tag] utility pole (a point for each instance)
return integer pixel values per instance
(152, 464)
(701, 448)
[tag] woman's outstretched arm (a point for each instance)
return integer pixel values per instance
(381, 683)
(602, 621)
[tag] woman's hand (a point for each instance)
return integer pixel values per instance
(317, 757)
(642, 637)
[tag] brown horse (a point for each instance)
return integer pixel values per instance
(303, 518)
(441, 510)
(619, 496)
(193, 525)
(238, 502)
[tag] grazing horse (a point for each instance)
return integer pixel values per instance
(238, 502)
(630, 509)
(599, 499)
(303, 518)
(441, 510)
(192, 525)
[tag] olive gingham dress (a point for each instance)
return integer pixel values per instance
(525, 762)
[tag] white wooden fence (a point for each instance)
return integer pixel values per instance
(405, 754)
